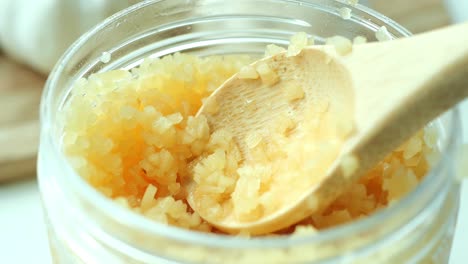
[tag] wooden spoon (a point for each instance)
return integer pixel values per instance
(389, 89)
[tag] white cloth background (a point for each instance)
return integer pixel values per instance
(458, 9)
(38, 32)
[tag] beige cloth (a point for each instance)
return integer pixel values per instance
(38, 32)
(20, 91)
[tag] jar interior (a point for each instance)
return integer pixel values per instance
(205, 28)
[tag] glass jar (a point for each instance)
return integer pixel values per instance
(86, 227)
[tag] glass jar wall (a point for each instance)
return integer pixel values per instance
(86, 227)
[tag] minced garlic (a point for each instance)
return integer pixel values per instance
(359, 40)
(297, 42)
(382, 34)
(267, 74)
(342, 45)
(345, 13)
(134, 136)
(248, 72)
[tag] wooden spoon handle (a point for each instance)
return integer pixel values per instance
(403, 84)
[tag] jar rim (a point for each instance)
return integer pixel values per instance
(133, 220)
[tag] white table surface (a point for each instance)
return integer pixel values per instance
(23, 237)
